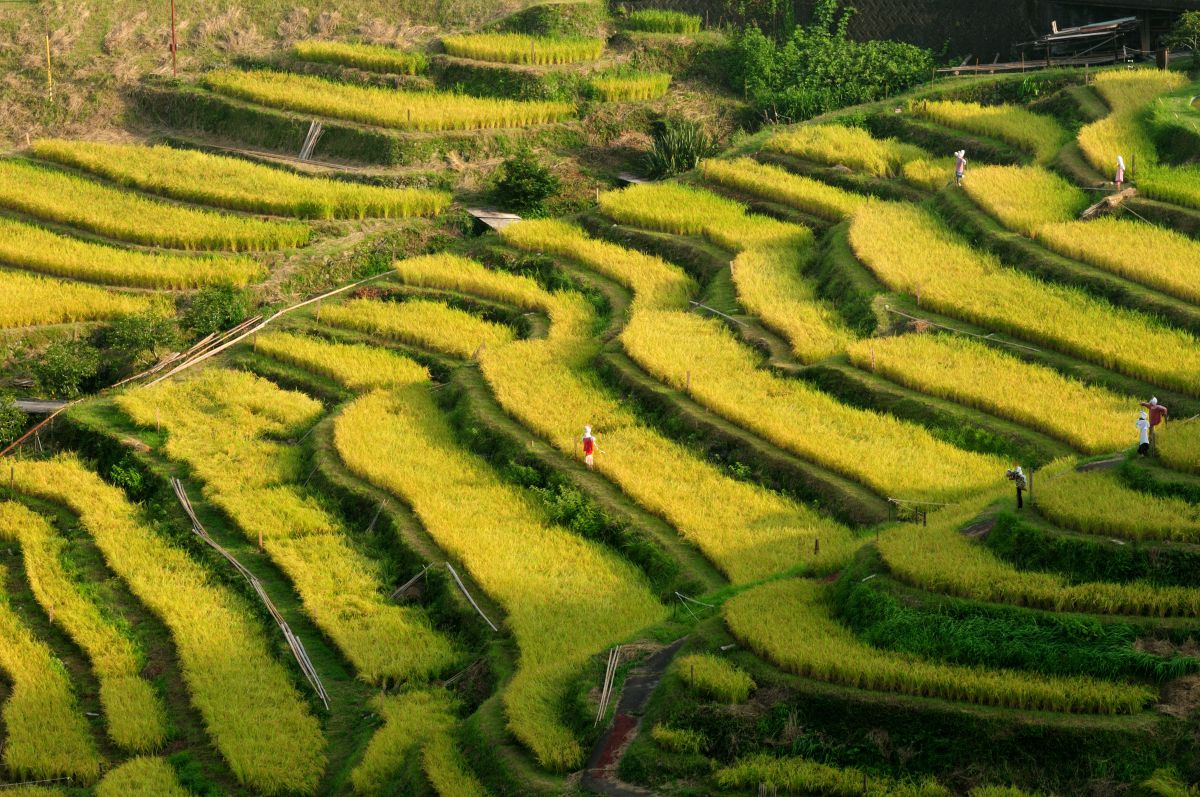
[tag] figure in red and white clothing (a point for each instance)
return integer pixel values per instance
(589, 447)
(1158, 414)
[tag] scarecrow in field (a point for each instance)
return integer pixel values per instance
(1158, 414)
(589, 447)
(1017, 477)
(960, 166)
(1120, 175)
(1143, 427)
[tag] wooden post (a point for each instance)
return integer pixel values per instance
(12, 481)
(1022, 61)
(872, 357)
(816, 546)
(157, 421)
(49, 71)
(318, 311)
(174, 43)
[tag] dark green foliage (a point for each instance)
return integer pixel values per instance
(1186, 32)
(819, 68)
(962, 632)
(679, 146)
(12, 420)
(127, 475)
(581, 18)
(482, 79)
(215, 309)
(136, 338)
(525, 184)
(67, 368)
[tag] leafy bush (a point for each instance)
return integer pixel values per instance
(525, 184)
(819, 68)
(215, 309)
(12, 420)
(1186, 32)
(679, 146)
(136, 338)
(66, 367)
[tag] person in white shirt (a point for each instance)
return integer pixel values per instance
(1143, 427)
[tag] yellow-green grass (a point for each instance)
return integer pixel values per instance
(747, 532)
(780, 185)
(938, 558)
(225, 426)
(654, 20)
(27, 300)
(1039, 135)
(631, 87)
(566, 597)
(1043, 205)
(767, 269)
(790, 623)
(26, 246)
(250, 706)
(142, 777)
(46, 733)
(911, 251)
(356, 366)
(714, 677)
(1092, 419)
(402, 110)
(802, 776)
(371, 57)
(1178, 444)
(894, 458)
(678, 740)
(518, 48)
(134, 715)
(852, 147)
(238, 184)
(411, 720)
(75, 201)
(1097, 503)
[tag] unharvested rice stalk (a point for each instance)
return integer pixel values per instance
(220, 423)
(1097, 503)
(251, 710)
(36, 301)
(142, 777)
(371, 57)
(238, 184)
(631, 87)
(962, 370)
(566, 597)
(779, 185)
(447, 770)
(1025, 198)
(63, 198)
(135, 716)
(790, 623)
(1039, 135)
(46, 733)
(910, 251)
(355, 366)
(447, 329)
(678, 740)
(402, 110)
(714, 677)
(29, 247)
(410, 722)
(653, 20)
(517, 48)
(932, 174)
(938, 558)
(835, 145)
(1178, 444)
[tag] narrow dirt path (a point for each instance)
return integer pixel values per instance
(600, 777)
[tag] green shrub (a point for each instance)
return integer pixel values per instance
(12, 420)
(678, 740)
(136, 339)
(525, 184)
(66, 367)
(581, 18)
(215, 309)
(654, 20)
(679, 146)
(715, 677)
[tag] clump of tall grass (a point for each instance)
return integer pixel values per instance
(654, 20)
(714, 677)
(518, 48)
(370, 57)
(630, 87)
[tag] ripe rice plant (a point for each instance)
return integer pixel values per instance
(517, 48)
(1128, 89)
(1025, 198)
(1097, 503)
(714, 677)
(802, 776)
(403, 110)
(28, 247)
(27, 301)
(630, 87)
(444, 328)
(892, 457)
(971, 373)
(852, 147)
(135, 716)
(654, 20)
(447, 770)
(410, 722)
(910, 251)
(1178, 184)
(371, 57)
(790, 623)
(1037, 134)
(251, 710)
(746, 531)
(142, 777)
(566, 598)
(678, 740)
(46, 733)
(780, 185)
(1178, 444)
(767, 270)
(357, 367)
(238, 184)
(126, 216)
(938, 558)
(219, 423)
(932, 174)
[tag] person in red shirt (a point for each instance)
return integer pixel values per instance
(1158, 414)
(589, 447)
